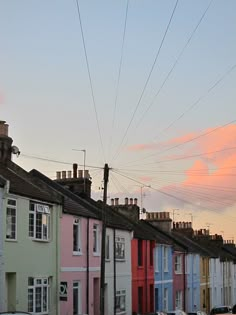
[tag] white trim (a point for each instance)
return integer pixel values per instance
(164, 281)
(79, 269)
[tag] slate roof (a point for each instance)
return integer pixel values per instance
(22, 184)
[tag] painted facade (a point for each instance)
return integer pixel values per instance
(179, 280)
(193, 282)
(2, 275)
(204, 284)
(31, 256)
(80, 265)
(142, 276)
(118, 272)
(163, 278)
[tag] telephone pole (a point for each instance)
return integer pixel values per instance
(102, 272)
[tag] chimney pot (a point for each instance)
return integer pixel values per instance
(86, 174)
(69, 174)
(58, 175)
(126, 201)
(75, 167)
(135, 201)
(3, 128)
(63, 174)
(131, 201)
(80, 173)
(116, 201)
(112, 201)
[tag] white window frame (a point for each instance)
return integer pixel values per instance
(77, 226)
(96, 239)
(121, 300)
(42, 284)
(120, 248)
(77, 288)
(165, 258)
(165, 300)
(107, 248)
(42, 210)
(156, 259)
(178, 264)
(11, 226)
(178, 299)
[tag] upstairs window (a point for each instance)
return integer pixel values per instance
(76, 237)
(95, 238)
(39, 221)
(120, 248)
(140, 252)
(178, 264)
(11, 220)
(107, 249)
(165, 258)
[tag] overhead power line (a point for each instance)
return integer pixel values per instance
(119, 75)
(147, 80)
(175, 63)
(90, 79)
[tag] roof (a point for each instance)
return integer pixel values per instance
(22, 184)
(72, 204)
(2, 181)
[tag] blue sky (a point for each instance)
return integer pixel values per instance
(46, 96)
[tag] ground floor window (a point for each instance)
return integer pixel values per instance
(38, 295)
(120, 301)
(76, 298)
(178, 300)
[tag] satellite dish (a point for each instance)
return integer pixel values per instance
(15, 150)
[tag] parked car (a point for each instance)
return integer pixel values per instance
(15, 313)
(222, 309)
(176, 312)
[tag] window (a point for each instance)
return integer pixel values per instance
(140, 253)
(178, 264)
(76, 298)
(107, 250)
(95, 239)
(11, 220)
(120, 248)
(165, 302)
(156, 259)
(39, 221)
(178, 300)
(165, 257)
(120, 301)
(76, 237)
(38, 295)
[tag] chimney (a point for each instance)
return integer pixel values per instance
(5, 143)
(161, 220)
(75, 167)
(79, 185)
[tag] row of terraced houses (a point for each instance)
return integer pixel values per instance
(50, 250)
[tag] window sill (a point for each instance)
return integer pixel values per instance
(120, 260)
(166, 270)
(96, 254)
(10, 240)
(77, 253)
(39, 240)
(121, 313)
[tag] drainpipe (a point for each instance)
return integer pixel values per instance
(184, 282)
(87, 269)
(146, 275)
(114, 266)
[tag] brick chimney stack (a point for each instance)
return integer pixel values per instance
(5, 143)
(161, 220)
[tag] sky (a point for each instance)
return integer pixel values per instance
(145, 86)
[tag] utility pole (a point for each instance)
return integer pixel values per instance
(102, 272)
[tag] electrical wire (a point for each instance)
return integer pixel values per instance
(147, 81)
(119, 75)
(175, 63)
(90, 79)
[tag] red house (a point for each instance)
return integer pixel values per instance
(142, 247)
